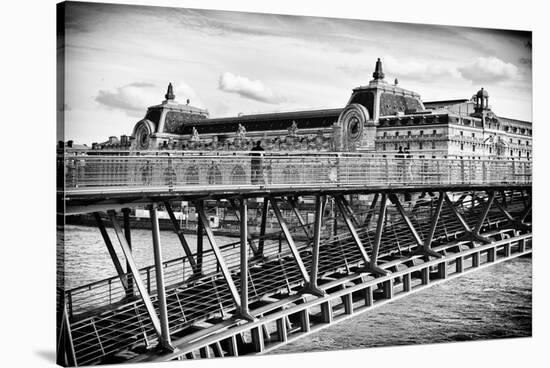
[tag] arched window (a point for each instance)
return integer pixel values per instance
(238, 175)
(214, 175)
(169, 176)
(192, 176)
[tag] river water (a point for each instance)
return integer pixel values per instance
(494, 302)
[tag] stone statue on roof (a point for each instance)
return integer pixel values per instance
(241, 132)
(195, 135)
(293, 129)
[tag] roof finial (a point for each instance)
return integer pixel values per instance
(170, 93)
(378, 73)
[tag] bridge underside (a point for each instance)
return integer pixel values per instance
(254, 295)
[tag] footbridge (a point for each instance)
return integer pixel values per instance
(354, 231)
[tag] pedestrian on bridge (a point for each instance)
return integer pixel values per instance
(256, 169)
(400, 165)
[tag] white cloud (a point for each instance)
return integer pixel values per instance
(244, 87)
(490, 69)
(134, 98)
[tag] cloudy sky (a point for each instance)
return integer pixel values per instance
(119, 60)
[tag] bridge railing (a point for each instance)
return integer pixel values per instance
(90, 173)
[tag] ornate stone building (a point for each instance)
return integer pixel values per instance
(378, 118)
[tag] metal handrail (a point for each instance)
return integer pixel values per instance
(149, 172)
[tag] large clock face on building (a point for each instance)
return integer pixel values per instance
(354, 128)
(143, 137)
(352, 120)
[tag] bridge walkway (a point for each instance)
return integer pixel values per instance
(192, 303)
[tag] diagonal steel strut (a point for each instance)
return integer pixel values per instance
(219, 256)
(111, 249)
(312, 287)
(303, 224)
(393, 198)
(349, 223)
(135, 274)
(289, 240)
(370, 262)
(485, 212)
(427, 248)
(370, 212)
(182, 239)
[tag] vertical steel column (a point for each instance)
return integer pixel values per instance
(244, 256)
(485, 212)
(68, 348)
(312, 287)
(181, 236)
(159, 273)
(379, 229)
(427, 248)
(111, 250)
(219, 256)
(289, 240)
(200, 243)
(263, 224)
(236, 209)
(128, 235)
(135, 274)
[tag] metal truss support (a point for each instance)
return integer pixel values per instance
(243, 219)
(111, 249)
(470, 234)
(312, 286)
(427, 246)
(182, 239)
(370, 263)
(236, 209)
(370, 212)
(128, 235)
(378, 235)
(519, 222)
(457, 214)
(261, 240)
(159, 274)
(525, 213)
(219, 256)
(349, 211)
(200, 245)
(393, 199)
(303, 224)
(135, 274)
(290, 241)
(502, 208)
(65, 349)
(484, 213)
(424, 246)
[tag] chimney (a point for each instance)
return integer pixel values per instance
(70, 144)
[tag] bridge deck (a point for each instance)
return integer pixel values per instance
(104, 323)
